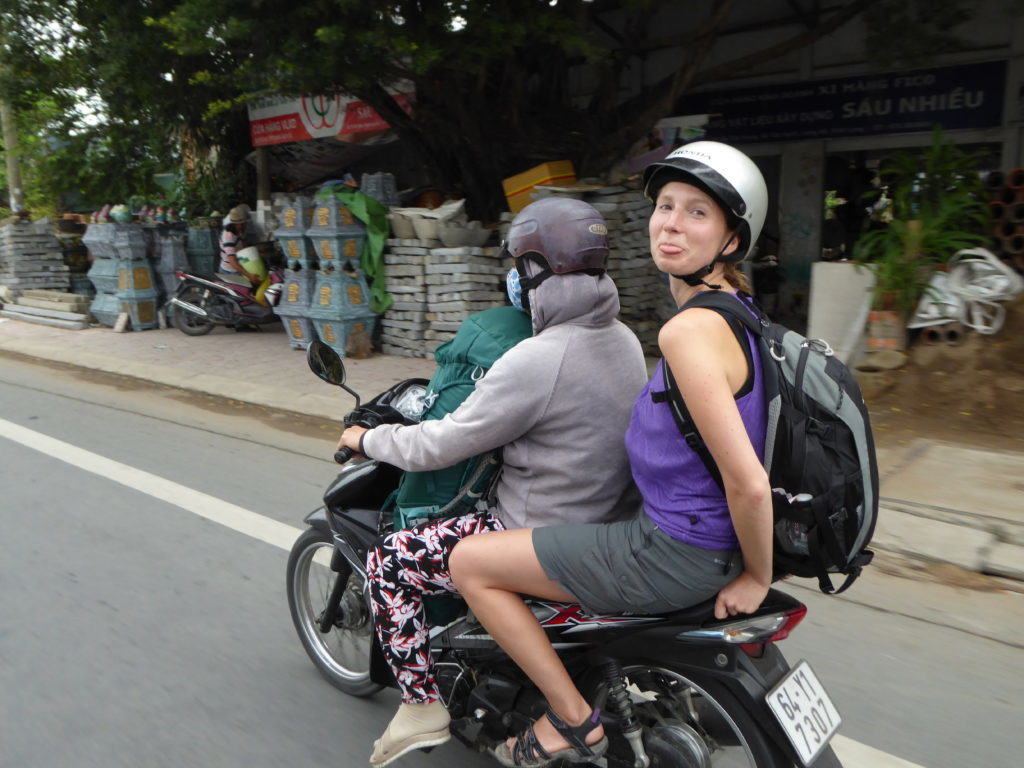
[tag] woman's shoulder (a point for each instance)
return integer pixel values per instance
(693, 326)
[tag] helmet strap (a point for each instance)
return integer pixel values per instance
(528, 283)
(697, 278)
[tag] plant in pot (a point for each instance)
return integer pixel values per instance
(936, 210)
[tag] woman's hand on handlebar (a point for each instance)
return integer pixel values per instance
(744, 595)
(350, 439)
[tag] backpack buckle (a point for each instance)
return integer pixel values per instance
(819, 345)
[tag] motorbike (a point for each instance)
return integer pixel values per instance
(203, 302)
(680, 689)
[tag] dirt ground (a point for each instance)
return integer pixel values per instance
(971, 394)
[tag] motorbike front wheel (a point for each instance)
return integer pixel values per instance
(342, 654)
(190, 323)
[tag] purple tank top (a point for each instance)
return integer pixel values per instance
(679, 494)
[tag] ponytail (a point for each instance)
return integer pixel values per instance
(736, 277)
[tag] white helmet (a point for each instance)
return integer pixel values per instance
(729, 176)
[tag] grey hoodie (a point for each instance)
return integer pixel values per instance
(559, 402)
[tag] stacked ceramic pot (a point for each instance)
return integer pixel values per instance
(300, 271)
(340, 302)
(381, 187)
(137, 293)
(202, 250)
(169, 257)
(99, 240)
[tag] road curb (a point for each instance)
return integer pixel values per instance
(327, 406)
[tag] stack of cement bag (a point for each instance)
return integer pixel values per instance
(31, 259)
(460, 281)
(434, 290)
(44, 307)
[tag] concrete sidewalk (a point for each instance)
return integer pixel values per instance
(941, 502)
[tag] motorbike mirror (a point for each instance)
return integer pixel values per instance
(327, 364)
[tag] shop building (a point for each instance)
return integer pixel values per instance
(821, 117)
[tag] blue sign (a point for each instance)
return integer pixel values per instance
(965, 96)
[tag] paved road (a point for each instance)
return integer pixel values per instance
(136, 634)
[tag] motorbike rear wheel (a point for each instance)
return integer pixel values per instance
(691, 724)
(190, 323)
(342, 654)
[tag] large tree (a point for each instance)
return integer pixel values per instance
(497, 82)
(110, 102)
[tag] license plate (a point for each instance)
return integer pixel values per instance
(805, 712)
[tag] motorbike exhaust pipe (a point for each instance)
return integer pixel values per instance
(190, 307)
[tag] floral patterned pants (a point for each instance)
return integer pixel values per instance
(401, 569)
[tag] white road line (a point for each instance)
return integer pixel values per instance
(852, 753)
(230, 515)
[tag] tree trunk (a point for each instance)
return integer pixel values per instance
(10, 132)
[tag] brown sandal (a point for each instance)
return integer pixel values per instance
(527, 752)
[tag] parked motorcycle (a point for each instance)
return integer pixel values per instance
(681, 689)
(202, 302)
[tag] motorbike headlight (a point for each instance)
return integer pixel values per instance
(410, 402)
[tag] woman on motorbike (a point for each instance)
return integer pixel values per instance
(537, 403)
(232, 240)
(691, 541)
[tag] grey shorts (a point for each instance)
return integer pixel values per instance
(632, 566)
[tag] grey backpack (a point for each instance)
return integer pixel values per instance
(819, 451)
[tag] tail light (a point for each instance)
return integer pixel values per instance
(769, 628)
(273, 294)
(181, 275)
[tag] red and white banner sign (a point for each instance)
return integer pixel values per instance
(280, 120)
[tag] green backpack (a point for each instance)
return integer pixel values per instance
(483, 337)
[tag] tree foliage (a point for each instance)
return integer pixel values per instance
(105, 102)
(500, 84)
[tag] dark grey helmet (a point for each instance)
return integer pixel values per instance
(567, 234)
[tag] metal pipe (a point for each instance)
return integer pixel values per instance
(932, 335)
(953, 334)
(189, 306)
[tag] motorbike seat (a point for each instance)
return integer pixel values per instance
(703, 614)
(227, 277)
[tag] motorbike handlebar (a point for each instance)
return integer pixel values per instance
(344, 455)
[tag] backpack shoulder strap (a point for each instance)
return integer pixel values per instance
(737, 317)
(734, 307)
(683, 420)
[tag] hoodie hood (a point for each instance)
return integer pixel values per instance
(578, 298)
